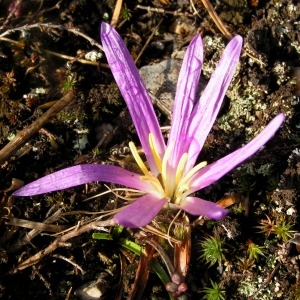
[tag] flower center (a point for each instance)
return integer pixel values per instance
(172, 183)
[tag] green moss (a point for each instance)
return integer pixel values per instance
(214, 292)
(212, 250)
(254, 250)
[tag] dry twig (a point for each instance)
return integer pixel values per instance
(61, 241)
(164, 11)
(47, 26)
(148, 41)
(24, 135)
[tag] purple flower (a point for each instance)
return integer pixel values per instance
(171, 176)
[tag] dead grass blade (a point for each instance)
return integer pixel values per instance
(36, 225)
(224, 30)
(142, 273)
(182, 251)
(229, 200)
(116, 14)
(216, 19)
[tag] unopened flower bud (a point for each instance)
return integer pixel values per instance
(176, 278)
(182, 287)
(171, 287)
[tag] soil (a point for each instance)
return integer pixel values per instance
(49, 48)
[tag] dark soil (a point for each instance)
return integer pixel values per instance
(259, 257)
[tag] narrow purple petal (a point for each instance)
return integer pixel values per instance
(141, 212)
(81, 174)
(133, 90)
(216, 170)
(187, 85)
(199, 207)
(206, 110)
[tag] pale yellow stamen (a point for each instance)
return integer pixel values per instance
(180, 168)
(181, 193)
(154, 150)
(192, 172)
(181, 189)
(175, 185)
(138, 159)
(164, 170)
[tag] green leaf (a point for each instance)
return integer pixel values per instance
(102, 236)
(132, 246)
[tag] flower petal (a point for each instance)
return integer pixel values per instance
(216, 170)
(133, 90)
(82, 174)
(141, 212)
(200, 207)
(206, 110)
(187, 85)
